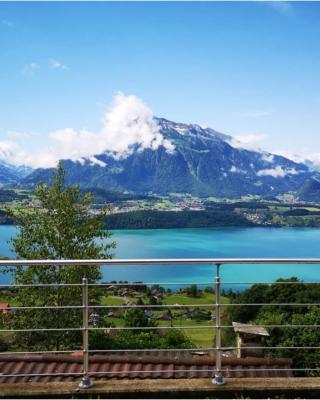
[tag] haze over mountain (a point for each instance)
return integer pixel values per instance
(184, 158)
(11, 174)
(310, 191)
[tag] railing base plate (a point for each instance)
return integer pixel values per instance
(219, 380)
(85, 383)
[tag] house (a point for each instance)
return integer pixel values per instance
(185, 313)
(124, 292)
(112, 287)
(137, 295)
(157, 293)
(201, 315)
(167, 316)
(249, 339)
(114, 314)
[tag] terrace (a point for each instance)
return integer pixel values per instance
(216, 370)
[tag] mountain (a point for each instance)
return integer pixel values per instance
(11, 175)
(204, 163)
(310, 191)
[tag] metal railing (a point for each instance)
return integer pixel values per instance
(218, 371)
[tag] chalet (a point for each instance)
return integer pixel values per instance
(137, 294)
(185, 313)
(167, 316)
(124, 292)
(249, 339)
(201, 315)
(114, 314)
(112, 287)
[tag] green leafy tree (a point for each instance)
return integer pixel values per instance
(294, 337)
(137, 318)
(61, 226)
(285, 291)
(193, 291)
(171, 339)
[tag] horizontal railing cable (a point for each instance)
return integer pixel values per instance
(71, 352)
(123, 328)
(273, 347)
(162, 306)
(174, 350)
(17, 353)
(171, 350)
(151, 262)
(153, 306)
(276, 326)
(2, 286)
(272, 283)
(165, 371)
(268, 304)
(110, 306)
(152, 284)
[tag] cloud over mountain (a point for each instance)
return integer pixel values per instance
(247, 141)
(127, 126)
(203, 162)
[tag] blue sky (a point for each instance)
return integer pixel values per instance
(251, 70)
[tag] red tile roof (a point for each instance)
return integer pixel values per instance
(135, 367)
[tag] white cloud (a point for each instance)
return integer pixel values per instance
(127, 126)
(304, 156)
(131, 123)
(95, 161)
(8, 150)
(290, 154)
(30, 69)
(248, 141)
(56, 64)
(277, 172)
(313, 158)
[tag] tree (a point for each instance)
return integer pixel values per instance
(61, 226)
(282, 338)
(193, 291)
(170, 339)
(137, 318)
(281, 292)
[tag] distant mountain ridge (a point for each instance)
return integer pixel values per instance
(310, 191)
(204, 163)
(11, 175)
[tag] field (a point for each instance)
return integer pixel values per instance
(202, 338)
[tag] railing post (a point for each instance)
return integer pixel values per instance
(85, 381)
(218, 378)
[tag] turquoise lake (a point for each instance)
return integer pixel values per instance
(207, 243)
